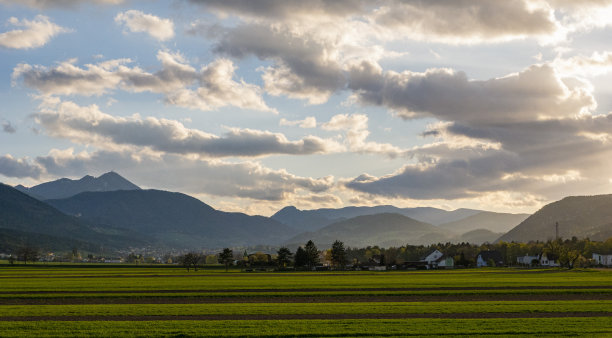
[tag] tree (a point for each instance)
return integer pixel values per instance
(283, 257)
(190, 259)
(226, 257)
(301, 258)
(28, 253)
(11, 260)
(338, 255)
(312, 254)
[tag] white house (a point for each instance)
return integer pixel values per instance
(526, 260)
(432, 257)
(605, 260)
(549, 260)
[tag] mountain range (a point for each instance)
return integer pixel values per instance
(66, 187)
(110, 211)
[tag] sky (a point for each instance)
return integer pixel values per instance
(254, 105)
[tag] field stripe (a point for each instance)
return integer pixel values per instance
(299, 299)
(484, 288)
(315, 316)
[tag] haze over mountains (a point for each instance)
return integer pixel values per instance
(109, 211)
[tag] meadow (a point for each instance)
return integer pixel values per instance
(54, 300)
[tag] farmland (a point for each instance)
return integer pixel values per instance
(57, 300)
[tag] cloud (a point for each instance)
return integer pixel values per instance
(537, 92)
(20, 168)
(356, 130)
(210, 88)
(7, 127)
(581, 65)
(530, 132)
(308, 122)
(139, 22)
(45, 4)
(465, 21)
(247, 179)
(88, 125)
(304, 67)
(35, 33)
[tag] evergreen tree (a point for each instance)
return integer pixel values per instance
(301, 258)
(338, 255)
(283, 257)
(312, 254)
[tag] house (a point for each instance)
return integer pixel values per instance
(436, 259)
(547, 259)
(484, 258)
(527, 260)
(432, 257)
(445, 262)
(605, 260)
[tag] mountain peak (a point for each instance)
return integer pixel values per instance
(65, 187)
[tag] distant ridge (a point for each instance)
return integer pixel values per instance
(312, 220)
(65, 187)
(385, 230)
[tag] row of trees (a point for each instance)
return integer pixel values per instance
(193, 259)
(570, 253)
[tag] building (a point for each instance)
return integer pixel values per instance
(527, 260)
(485, 258)
(445, 262)
(605, 260)
(550, 260)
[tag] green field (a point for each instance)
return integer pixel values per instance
(55, 300)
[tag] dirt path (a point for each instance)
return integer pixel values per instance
(305, 299)
(315, 316)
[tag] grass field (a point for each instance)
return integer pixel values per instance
(63, 301)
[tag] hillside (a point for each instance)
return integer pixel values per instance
(173, 219)
(384, 229)
(493, 221)
(26, 220)
(312, 220)
(65, 187)
(580, 216)
(477, 236)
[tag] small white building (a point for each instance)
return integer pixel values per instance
(605, 260)
(526, 260)
(549, 260)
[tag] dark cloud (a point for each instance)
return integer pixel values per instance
(7, 127)
(20, 168)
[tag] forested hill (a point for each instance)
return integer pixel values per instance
(580, 216)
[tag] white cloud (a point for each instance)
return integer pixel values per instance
(244, 180)
(356, 129)
(210, 88)
(139, 22)
(35, 33)
(308, 122)
(88, 125)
